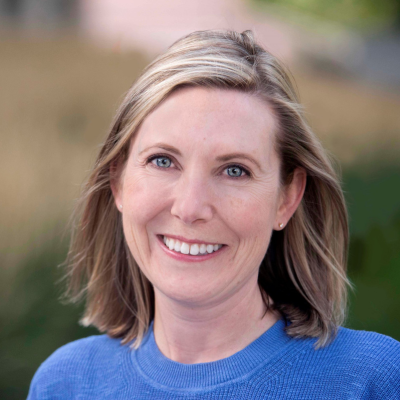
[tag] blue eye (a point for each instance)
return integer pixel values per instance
(235, 171)
(162, 162)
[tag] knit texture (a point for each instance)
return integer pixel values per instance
(356, 365)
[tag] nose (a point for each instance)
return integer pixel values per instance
(192, 201)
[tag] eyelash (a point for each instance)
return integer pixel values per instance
(247, 173)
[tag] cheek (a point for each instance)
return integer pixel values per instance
(143, 199)
(143, 205)
(251, 212)
(250, 217)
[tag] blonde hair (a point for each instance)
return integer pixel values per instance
(303, 271)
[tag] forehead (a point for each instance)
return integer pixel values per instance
(214, 120)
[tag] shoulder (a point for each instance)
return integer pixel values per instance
(371, 352)
(82, 353)
(359, 346)
(367, 364)
(354, 365)
(72, 365)
(352, 349)
(373, 360)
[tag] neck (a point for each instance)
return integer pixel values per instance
(191, 334)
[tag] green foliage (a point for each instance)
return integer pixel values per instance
(33, 321)
(355, 13)
(374, 258)
(372, 196)
(374, 268)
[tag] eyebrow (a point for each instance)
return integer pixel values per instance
(228, 157)
(224, 158)
(163, 146)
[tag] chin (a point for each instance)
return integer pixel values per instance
(186, 292)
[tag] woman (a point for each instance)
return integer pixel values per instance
(212, 244)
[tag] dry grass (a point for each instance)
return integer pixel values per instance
(57, 100)
(356, 122)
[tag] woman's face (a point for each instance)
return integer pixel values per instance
(200, 193)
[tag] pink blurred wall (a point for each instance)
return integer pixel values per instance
(152, 25)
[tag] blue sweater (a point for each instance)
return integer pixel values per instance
(356, 365)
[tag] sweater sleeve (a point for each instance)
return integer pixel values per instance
(53, 380)
(384, 382)
(65, 373)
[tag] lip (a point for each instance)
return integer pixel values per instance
(187, 257)
(188, 241)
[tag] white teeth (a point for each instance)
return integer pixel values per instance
(184, 248)
(177, 246)
(171, 244)
(203, 249)
(194, 249)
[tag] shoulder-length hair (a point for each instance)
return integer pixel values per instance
(303, 271)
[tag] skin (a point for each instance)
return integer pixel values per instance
(206, 310)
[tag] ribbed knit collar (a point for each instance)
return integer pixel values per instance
(163, 371)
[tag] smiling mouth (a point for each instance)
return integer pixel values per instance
(194, 249)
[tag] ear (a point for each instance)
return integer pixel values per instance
(115, 184)
(290, 198)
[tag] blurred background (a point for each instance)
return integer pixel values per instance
(65, 66)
